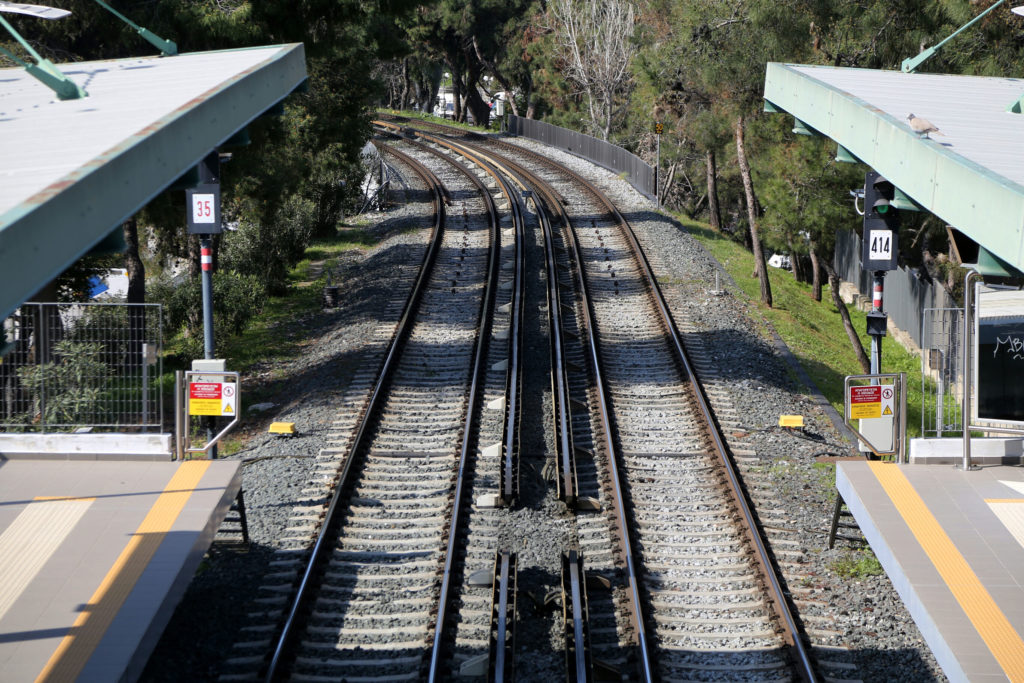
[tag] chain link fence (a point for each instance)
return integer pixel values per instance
(82, 365)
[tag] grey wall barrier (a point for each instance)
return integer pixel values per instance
(637, 172)
(906, 294)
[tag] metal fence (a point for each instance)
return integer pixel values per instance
(942, 362)
(82, 365)
(907, 294)
(637, 172)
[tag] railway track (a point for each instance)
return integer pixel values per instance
(402, 567)
(657, 426)
(381, 569)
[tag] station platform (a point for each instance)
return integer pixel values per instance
(952, 542)
(95, 556)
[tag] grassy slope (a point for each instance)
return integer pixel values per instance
(272, 336)
(812, 330)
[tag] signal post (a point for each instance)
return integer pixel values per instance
(880, 253)
(202, 212)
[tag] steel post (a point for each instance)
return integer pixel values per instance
(876, 307)
(209, 172)
(966, 412)
(904, 456)
(179, 420)
(657, 174)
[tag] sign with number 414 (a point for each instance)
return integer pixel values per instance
(202, 209)
(881, 250)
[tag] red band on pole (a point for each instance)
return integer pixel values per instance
(206, 258)
(876, 298)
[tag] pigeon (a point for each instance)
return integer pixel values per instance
(922, 126)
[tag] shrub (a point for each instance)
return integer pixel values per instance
(237, 298)
(72, 384)
(267, 250)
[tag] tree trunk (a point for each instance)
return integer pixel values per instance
(505, 84)
(480, 109)
(760, 268)
(668, 181)
(858, 348)
(194, 266)
(457, 114)
(136, 295)
(815, 273)
(403, 100)
(714, 210)
(531, 105)
(795, 263)
(133, 263)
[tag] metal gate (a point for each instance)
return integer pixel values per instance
(942, 372)
(82, 365)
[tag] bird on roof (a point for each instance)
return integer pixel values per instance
(922, 126)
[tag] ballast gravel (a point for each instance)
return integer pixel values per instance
(884, 642)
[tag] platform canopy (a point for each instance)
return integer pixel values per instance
(971, 175)
(74, 170)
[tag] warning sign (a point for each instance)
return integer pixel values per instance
(212, 398)
(866, 402)
(888, 400)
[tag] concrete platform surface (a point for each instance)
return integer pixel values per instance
(94, 557)
(952, 542)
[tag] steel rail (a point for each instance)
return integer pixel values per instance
(565, 444)
(510, 439)
(574, 602)
(801, 655)
(290, 628)
(551, 203)
(502, 657)
(481, 347)
(469, 436)
(608, 430)
(618, 485)
(803, 660)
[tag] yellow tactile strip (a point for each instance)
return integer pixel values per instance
(986, 617)
(31, 539)
(74, 651)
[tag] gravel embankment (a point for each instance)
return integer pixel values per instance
(885, 642)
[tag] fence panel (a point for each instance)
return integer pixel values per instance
(942, 372)
(638, 173)
(82, 365)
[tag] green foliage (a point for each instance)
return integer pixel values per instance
(237, 298)
(813, 330)
(805, 193)
(265, 250)
(70, 383)
(857, 565)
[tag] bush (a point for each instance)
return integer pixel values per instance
(72, 384)
(237, 298)
(269, 250)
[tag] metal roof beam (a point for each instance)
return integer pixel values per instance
(984, 205)
(41, 237)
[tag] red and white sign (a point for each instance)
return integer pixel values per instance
(200, 390)
(212, 398)
(202, 208)
(866, 402)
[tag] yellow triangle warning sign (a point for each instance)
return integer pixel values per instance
(887, 411)
(227, 409)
